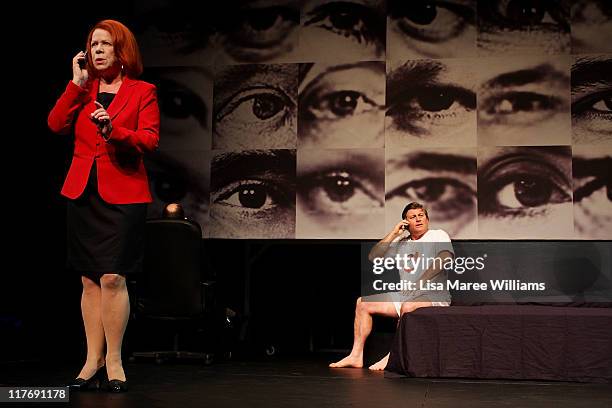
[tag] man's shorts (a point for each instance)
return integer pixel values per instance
(415, 295)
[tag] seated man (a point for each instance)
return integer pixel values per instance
(435, 244)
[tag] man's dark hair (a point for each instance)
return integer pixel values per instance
(414, 206)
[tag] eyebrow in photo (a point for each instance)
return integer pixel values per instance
(537, 74)
(590, 72)
(437, 162)
(420, 79)
(230, 166)
(234, 78)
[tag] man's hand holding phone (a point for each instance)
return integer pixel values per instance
(400, 227)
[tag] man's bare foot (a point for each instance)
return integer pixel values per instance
(380, 366)
(348, 361)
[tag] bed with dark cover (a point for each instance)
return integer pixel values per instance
(522, 342)
(562, 334)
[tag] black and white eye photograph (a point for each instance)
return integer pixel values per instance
(525, 192)
(336, 31)
(255, 106)
(341, 106)
(174, 33)
(180, 177)
(442, 179)
(591, 26)
(431, 103)
(431, 29)
(523, 27)
(592, 100)
(259, 31)
(185, 102)
(592, 184)
(340, 193)
(524, 101)
(252, 194)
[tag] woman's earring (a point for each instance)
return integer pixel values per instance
(121, 67)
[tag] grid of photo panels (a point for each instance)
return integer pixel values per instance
(323, 119)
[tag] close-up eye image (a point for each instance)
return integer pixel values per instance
(255, 106)
(524, 101)
(442, 179)
(174, 33)
(252, 194)
(523, 27)
(431, 29)
(349, 30)
(259, 31)
(340, 193)
(591, 26)
(185, 103)
(592, 100)
(592, 186)
(431, 103)
(181, 177)
(525, 192)
(341, 106)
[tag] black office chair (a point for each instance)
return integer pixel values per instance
(171, 291)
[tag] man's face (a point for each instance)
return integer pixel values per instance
(417, 221)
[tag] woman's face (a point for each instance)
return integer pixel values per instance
(102, 50)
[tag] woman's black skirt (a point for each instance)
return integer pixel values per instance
(102, 237)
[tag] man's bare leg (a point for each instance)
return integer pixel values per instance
(407, 307)
(362, 329)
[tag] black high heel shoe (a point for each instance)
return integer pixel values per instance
(117, 386)
(93, 383)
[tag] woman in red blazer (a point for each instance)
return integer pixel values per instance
(115, 120)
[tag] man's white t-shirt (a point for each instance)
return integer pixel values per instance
(427, 248)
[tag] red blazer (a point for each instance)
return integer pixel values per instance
(122, 178)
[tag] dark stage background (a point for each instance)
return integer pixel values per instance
(301, 295)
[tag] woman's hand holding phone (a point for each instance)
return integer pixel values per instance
(79, 69)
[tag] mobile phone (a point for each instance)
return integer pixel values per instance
(83, 61)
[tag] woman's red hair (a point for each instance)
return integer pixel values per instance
(124, 45)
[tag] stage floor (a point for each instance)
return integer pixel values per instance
(303, 383)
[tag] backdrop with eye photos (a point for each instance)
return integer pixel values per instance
(323, 119)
